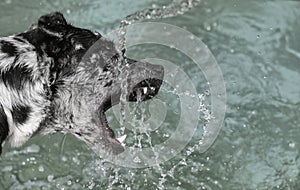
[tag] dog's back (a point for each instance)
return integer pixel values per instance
(22, 86)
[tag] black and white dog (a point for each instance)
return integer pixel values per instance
(59, 78)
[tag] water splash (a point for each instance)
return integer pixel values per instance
(176, 7)
(173, 9)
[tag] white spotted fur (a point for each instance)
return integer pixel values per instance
(31, 94)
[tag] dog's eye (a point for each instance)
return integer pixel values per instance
(58, 22)
(97, 33)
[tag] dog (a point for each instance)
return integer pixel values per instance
(56, 77)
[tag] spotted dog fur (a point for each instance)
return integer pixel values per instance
(59, 78)
(23, 82)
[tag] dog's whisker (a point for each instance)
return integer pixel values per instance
(62, 144)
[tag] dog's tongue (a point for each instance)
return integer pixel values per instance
(117, 144)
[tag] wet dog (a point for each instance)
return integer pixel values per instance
(59, 78)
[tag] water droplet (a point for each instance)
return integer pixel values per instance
(154, 6)
(50, 178)
(91, 185)
(33, 149)
(64, 159)
(41, 169)
(292, 145)
(208, 10)
(258, 36)
(231, 50)
(7, 169)
(208, 28)
(68, 11)
(192, 37)
(137, 160)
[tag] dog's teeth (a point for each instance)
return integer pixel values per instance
(152, 88)
(145, 90)
(122, 139)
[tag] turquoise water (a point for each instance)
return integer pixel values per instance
(256, 45)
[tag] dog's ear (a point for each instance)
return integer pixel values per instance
(3, 127)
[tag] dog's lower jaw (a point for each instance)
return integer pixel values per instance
(72, 112)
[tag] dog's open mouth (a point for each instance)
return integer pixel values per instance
(145, 90)
(142, 85)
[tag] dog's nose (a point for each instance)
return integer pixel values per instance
(160, 70)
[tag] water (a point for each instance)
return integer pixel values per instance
(256, 46)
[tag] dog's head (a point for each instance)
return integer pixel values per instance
(89, 79)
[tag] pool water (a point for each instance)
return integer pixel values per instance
(256, 45)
